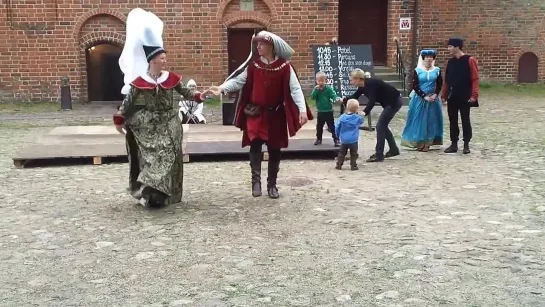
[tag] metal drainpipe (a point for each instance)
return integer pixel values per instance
(414, 53)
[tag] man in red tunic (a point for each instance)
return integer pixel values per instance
(270, 106)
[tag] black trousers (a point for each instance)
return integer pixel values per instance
(343, 150)
(383, 132)
(462, 106)
(325, 118)
(274, 153)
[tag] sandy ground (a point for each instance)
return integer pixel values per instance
(422, 229)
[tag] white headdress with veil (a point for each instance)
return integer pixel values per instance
(144, 39)
(421, 64)
(424, 53)
(281, 49)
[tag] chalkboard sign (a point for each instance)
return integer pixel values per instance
(337, 61)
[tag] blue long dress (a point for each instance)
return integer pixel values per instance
(424, 125)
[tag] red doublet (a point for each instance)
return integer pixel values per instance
(268, 86)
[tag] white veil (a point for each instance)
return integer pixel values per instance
(143, 28)
(421, 63)
(282, 49)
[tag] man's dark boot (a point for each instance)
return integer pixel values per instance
(255, 165)
(375, 158)
(274, 167)
(466, 148)
(452, 148)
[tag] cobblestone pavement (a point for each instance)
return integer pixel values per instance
(424, 229)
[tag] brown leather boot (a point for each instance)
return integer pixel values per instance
(255, 165)
(274, 167)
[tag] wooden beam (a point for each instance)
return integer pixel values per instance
(19, 163)
(97, 160)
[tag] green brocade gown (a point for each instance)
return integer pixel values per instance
(154, 142)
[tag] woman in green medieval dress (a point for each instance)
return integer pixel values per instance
(149, 114)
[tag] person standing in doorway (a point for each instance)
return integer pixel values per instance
(460, 92)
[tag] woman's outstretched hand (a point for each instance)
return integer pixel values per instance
(120, 128)
(214, 90)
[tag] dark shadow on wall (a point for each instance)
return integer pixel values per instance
(104, 77)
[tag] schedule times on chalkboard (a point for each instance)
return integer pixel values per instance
(337, 61)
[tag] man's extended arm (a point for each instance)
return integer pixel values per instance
(444, 92)
(474, 75)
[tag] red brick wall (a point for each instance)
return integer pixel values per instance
(43, 41)
(496, 32)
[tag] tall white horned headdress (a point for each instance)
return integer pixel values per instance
(143, 41)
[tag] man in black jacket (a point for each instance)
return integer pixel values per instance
(461, 92)
(389, 98)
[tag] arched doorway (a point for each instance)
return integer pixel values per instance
(528, 68)
(104, 78)
(239, 41)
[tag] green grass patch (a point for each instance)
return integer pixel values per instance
(526, 90)
(29, 107)
(212, 102)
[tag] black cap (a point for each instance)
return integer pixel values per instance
(456, 42)
(152, 51)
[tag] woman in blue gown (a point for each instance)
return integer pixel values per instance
(424, 126)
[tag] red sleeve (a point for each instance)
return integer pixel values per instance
(119, 120)
(197, 97)
(474, 72)
(444, 92)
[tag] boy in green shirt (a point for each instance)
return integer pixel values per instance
(325, 97)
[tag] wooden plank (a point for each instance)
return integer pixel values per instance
(97, 160)
(19, 163)
(101, 143)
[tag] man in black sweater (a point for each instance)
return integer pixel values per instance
(389, 98)
(461, 92)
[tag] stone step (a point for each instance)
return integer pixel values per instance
(386, 75)
(389, 75)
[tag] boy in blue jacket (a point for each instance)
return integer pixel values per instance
(348, 130)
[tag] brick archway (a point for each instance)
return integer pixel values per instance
(90, 40)
(225, 3)
(253, 17)
(90, 14)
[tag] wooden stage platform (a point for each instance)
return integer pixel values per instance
(209, 142)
